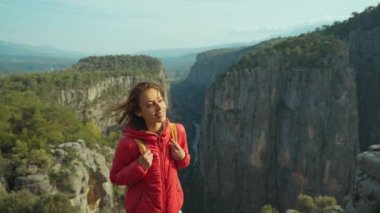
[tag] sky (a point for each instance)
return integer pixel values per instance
(128, 27)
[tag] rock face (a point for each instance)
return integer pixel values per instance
(366, 192)
(37, 182)
(87, 176)
(364, 54)
(92, 100)
(280, 123)
(361, 32)
(80, 172)
(190, 107)
(92, 103)
(208, 66)
(211, 63)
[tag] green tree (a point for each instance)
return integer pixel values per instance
(21, 201)
(58, 203)
(268, 209)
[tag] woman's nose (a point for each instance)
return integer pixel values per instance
(158, 106)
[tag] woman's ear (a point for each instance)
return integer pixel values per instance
(138, 113)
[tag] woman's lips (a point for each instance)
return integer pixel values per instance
(159, 114)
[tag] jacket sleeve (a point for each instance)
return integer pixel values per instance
(182, 141)
(125, 168)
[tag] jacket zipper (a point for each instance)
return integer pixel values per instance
(163, 181)
(162, 162)
(142, 196)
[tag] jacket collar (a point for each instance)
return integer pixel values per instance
(149, 136)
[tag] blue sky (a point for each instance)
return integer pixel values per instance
(125, 26)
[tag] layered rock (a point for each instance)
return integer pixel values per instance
(365, 195)
(88, 182)
(208, 66)
(92, 101)
(78, 171)
(280, 123)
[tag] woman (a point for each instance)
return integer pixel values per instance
(150, 176)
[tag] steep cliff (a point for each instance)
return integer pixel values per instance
(279, 123)
(361, 33)
(188, 101)
(365, 57)
(207, 67)
(91, 101)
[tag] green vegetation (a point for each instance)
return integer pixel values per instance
(87, 72)
(366, 20)
(121, 64)
(22, 201)
(318, 204)
(311, 51)
(306, 203)
(211, 54)
(34, 123)
(54, 203)
(268, 209)
(308, 50)
(32, 120)
(25, 201)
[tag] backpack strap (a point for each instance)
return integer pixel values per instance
(141, 145)
(173, 132)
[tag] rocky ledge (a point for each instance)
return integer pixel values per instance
(365, 196)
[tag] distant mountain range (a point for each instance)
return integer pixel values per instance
(16, 57)
(179, 52)
(16, 49)
(23, 58)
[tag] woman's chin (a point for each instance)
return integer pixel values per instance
(160, 119)
(163, 119)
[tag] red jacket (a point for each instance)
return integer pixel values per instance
(156, 189)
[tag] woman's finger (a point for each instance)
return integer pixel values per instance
(175, 145)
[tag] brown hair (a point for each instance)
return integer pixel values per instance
(127, 109)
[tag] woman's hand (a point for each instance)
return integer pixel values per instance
(145, 159)
(176, 151)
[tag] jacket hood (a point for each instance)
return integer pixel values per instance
(148, 136)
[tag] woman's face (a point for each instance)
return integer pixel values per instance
(152, 107)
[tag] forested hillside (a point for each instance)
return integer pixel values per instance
(36, 114)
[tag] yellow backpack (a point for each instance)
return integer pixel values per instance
(174, 135)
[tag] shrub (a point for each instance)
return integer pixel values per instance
(268, 209)
(21, 201)
(58, 203)
(306, 202)
(41, 158)
(318, 204)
